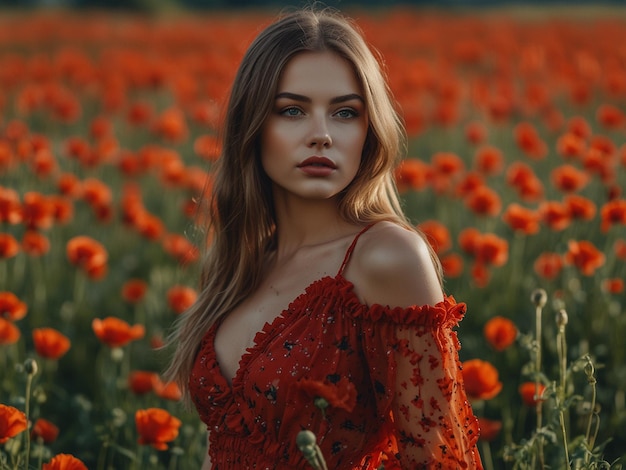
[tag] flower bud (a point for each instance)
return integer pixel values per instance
(539, 297)
(561, 318)
(30, 367)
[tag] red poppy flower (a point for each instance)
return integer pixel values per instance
(492, 250)
(50, 343)
(469, 239)
(578, 125)
(471, 181)
(11, 307)
(481, 380)
(525, 181)
(134, 290)
(531, 393)
(9, 333)
(156, 427)
(180, 298)
(100, 128)
(521, 219)
(568, 178)
(619, 248)
(179, 247)
(172, 171)
(37, 212)
(341, 394)
(610, 116)
(596, 162)
(452, 265)
(489, 429)
(43, 163)
(139, 113)
(447, 163)
(579, 207)
(115, 332)
(437, 234)
(613, 286)
(480, 274)
(167, 390)
(489, 160)
(570, 145)
(64, 462)
(555, 215)
(475, 132)
(171, 125)
(150, 226)
(484, 201)
(207, 147)
(35, 243)
(613, 212)
(529, 141)
(96, 193)
(62, 208)
(45, 430)
(548, 265)
(89, 255)
(500, 332)
(10, 206)
(69, 185)
(12, 422)
(585, 256)
(412, 174)
(9, 246)
(142, 382)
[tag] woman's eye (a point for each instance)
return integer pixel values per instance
(346, 113)
(291, 112)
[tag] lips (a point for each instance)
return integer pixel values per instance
(320, 162)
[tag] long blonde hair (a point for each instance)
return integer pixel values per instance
(241, 212)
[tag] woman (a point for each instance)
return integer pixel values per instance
(321, 307)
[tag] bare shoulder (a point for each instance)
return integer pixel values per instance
(393, 266)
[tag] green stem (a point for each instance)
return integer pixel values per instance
(562, 352)
(539, 403)
(29, 382)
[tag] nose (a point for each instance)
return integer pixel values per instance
(320, 137)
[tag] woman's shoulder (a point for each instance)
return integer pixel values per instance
(392, 265)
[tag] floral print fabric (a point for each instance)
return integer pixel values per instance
(390, 377)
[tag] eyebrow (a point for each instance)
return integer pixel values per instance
(306, 99)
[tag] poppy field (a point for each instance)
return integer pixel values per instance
(515, 170)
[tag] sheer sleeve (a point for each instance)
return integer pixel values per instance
(415, 371)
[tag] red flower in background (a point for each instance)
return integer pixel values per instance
(484, 201)
(10, 206)
(134, 290)
(167, 390)
(610, 116)
(481, 380)
(531, 393)
(89, 255)
(437, 234)
(50, 343)
(579, 126)
(9, 247)
(613, 286)
(142, 382)
(570, 145)
(568, 178)
(585, 256)
(170, 125)
(11, 307)
(492, 250)
(12, 422)
(9, 333)
(64, 462)
(45, 430)
(115, 332)
(619, 247)
(612, 213)
(452, 265)
(475, 132)
(412, 174)
(207, 147)
(489, 160)
(555, 215)
(37, 211)
(579, 207)
(500, 332)
(179, 247)
(529, 141)
(521, 219)
(156, 427)
(180, 298)
(489, 429)
(35, 243)
(549, 265)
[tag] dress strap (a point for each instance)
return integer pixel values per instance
(351, 248)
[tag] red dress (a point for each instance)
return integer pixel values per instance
(390, 377)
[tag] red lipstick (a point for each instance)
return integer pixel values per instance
(317, 166)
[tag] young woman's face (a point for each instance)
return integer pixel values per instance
(311, 143)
